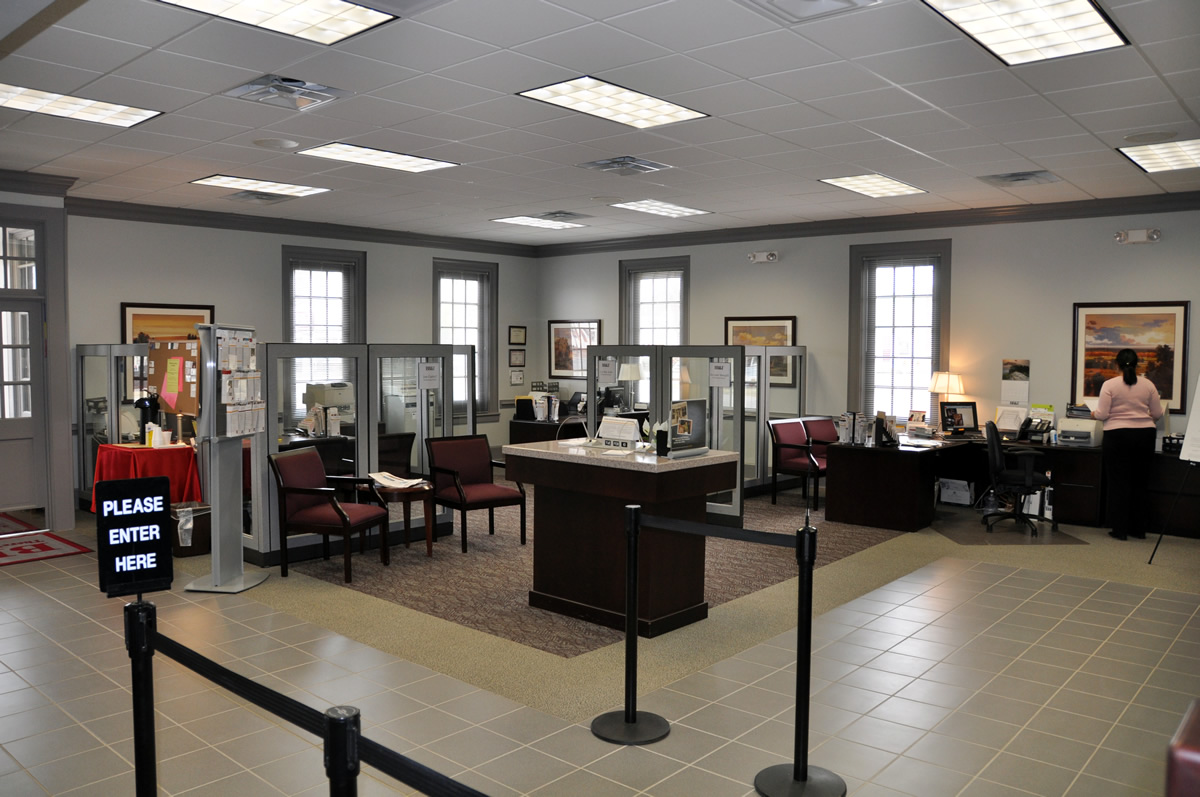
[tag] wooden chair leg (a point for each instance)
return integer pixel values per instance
(325, 546)
(774, 483)
(522, 522)
(283, 562)
(347, 550)
(816, 491)
(491, 520)
(385, 552)
(463, 513)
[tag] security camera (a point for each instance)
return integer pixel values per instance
(762, 257)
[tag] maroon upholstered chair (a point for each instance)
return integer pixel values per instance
(461, 470)
(822, 433)
(791, 453)
(308, 504)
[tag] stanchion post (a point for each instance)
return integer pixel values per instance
(343, 727)
(798, 779)
(140, 627)
(631, 726)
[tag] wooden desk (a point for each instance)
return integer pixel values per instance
(887, 488)
(579, 531)
(544, 431)
(177, 463)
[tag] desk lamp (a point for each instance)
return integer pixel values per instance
(630, 372)
(945, 383)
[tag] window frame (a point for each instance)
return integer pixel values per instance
(486, 371)
(633, 269)
(860, 256)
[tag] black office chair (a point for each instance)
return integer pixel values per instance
(1013, 483)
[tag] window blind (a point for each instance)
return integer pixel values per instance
(903, 334)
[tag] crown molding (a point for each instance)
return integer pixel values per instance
(1010, 214)
(154, 214)
(35, 184)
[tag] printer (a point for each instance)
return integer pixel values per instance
(1084, 432)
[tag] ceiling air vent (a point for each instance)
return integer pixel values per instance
(258, 197)
(793, 12)
(1017, 179)
(624, 165)
(562, 215)
(286, 92)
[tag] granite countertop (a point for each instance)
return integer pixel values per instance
(574, 451)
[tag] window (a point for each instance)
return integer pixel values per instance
(16, 375)
(465, 299)
(18, 257)
(900, 294)
(324, 302)
(654, 311)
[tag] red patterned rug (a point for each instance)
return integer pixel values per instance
(22, 548)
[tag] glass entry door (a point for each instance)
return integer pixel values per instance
(22, 427)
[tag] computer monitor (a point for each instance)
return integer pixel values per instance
(573, 403)
(614, 397)
(959, 417)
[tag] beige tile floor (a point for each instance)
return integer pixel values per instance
(961, 678)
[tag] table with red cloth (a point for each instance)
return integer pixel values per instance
(178, 463)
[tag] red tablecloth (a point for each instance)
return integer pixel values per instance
(178, 463)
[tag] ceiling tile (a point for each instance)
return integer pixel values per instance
(944, 59)
(508, 72)
(969, 89)
(667, 23)
(367, 110)
(909, 124)
(1051, 127)
(1158, 21)
(826, 80)
(155, 142)
(1004, 111)
(198, 129)
(1057, 146)
(419, 47)
(1086, 69)
(764, 54)
(750, 146)
(826, 135)
(232, 111)
(326, 127)
(1163, 114)
(58, 127)
(135, 21)
(24, 151)
(242, 46)
(1174, 55)
(593, 49)
(517, 141)
(44, 76)
(436, 93)
(185, 72)
(1130, 93)
(730, 98)
(782, 117)
(348, 71)
(135, 92)
(870, 104)
(449, 127)
(505, 24)
(667, 76)
(85, 51)
(880, 29)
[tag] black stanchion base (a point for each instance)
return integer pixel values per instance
(612, 727)
(779, 781)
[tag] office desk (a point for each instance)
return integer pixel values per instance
(887, 488)
(579, 531)
(544, 431)
(177, 463)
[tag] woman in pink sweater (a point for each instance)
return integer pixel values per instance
(1129, 406)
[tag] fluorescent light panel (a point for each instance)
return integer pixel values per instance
(264, 186)
(352, 153)
(534, 221)
(1021, 31)
(597, 98)
(321, 21)
(660, 208)
(106, 113)
(874, 185)
(1165, 157)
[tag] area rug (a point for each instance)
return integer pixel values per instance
(487, 589)
(22, 548)
(13, 525)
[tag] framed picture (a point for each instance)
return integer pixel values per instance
(516, 358)
(1157, 331)
(766, 331)
(516, 336)
(516, 377)
(568, 347)
(141, 322)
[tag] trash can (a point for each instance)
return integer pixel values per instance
(191, 528)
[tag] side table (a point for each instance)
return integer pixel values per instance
(406, 495)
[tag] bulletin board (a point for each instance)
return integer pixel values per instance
(174, 372)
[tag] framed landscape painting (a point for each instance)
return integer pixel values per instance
(142, 322)
(1157, 331)
(568, 347)
(766, 331)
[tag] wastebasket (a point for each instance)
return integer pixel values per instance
(191, 528)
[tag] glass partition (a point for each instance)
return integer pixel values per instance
(104, 410)
(412, 395)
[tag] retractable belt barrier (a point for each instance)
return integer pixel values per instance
(340, 726)
(631, 726)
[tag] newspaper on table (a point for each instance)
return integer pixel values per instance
(385, 479)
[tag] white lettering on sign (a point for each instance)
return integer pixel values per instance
(132, 506)
(136, 561)
(134, 534)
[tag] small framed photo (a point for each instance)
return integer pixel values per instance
(516, 336)
(516, 358)
(516, 377)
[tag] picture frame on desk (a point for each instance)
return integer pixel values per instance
(1157, 331)
(765, 331)
(568, 341)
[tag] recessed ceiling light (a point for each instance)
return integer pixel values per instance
(660, 208)
(534, 221)
(874, 185)
(588, 95)
(352, 153)
(1165, 157)
(321, 21)
(1021, 31)
(106, 113)
(260, 186)
(276, 143)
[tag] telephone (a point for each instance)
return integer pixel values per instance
(1033, 428)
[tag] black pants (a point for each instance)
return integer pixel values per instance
(1128, 456)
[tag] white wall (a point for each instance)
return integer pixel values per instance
(1013, 287)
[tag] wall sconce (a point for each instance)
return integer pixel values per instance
(945, 383)
(1137, 236)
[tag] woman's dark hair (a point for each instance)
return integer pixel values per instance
(1127, 361)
